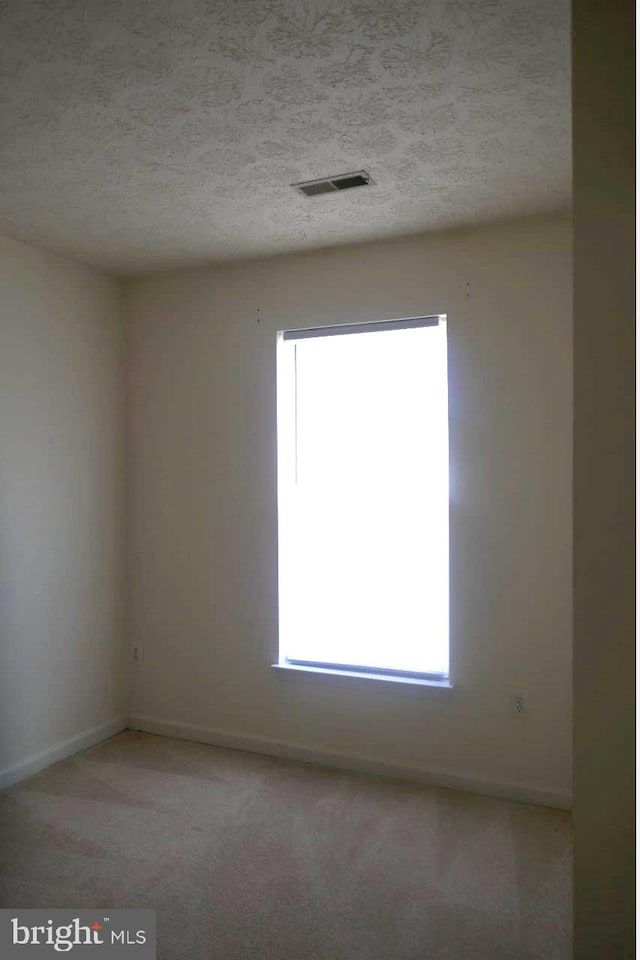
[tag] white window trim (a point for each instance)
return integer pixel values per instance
(338, 672)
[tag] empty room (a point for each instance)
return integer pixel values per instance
(317, 479)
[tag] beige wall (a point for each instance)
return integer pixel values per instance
(61, 500)
(604, 645)
(203, 501)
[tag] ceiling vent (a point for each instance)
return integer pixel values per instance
(346, 181)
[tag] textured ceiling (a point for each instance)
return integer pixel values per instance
(142, 134)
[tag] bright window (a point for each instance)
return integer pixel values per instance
(363, 497)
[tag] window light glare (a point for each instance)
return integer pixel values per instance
(363, 500)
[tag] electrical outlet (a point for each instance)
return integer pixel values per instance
(137, 653)
(519, 706)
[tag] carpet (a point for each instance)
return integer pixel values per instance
(246, 857)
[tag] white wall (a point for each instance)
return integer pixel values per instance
(61, 505)
(604, 509)
(203, 501)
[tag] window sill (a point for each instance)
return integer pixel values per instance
(363, 676)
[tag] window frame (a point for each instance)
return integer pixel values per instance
(358, 672)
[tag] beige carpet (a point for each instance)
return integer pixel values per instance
(249, 858)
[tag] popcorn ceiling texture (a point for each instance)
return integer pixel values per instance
(144, 134)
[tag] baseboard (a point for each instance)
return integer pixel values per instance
(60, 751)
(523, 793)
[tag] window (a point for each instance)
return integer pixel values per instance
(363, 498)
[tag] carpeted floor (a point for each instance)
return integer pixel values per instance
(251, 858)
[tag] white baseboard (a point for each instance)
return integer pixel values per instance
(60, 751)
(523, 793)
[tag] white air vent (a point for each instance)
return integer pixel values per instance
(346, 181)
